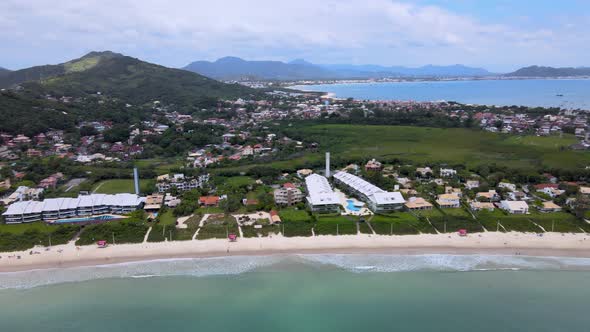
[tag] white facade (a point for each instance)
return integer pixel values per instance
(377, 199)
(515, 207)
(60, 208)
(181, 183)
(320, 197)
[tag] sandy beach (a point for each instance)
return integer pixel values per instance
(69, 255)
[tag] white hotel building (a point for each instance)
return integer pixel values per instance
(377, 199)
(320, 197)
(61, 208)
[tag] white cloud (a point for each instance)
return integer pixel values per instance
(176, 32)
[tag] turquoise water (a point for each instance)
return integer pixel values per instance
(84, 219)
(576, 92)
(305, 293)
(350, 205)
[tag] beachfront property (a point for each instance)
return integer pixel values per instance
(288, 195)
(320, 196)
(66, 207)
(424, 171)
(549, 207)
(479, 206)
(377, 199)
(180, 182)
(515, 207)
(507, 186)
(446, 201)
(418, 203)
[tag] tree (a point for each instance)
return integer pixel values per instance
(581, 205)
(230, 204)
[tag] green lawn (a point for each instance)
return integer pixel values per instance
(400, 223)
(25, 236)
(335, 225)
(117, 186)
(167, 218)
(292, 215)
(218, 227)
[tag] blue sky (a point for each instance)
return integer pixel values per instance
(499, 35)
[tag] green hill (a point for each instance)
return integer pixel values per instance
(125, 78)
(536, 71)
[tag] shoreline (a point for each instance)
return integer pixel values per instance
(489, 243)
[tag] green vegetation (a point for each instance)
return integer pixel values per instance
(130, 230)
(218, 226)
(26, 236)
(335, 225)
(428, 145)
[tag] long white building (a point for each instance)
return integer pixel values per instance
(377, 199)
(320, 197)
(60, 208)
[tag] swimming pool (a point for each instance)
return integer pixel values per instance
(353, 207)
(86, 219)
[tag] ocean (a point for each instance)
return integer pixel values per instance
(363, 292)
(539, 92)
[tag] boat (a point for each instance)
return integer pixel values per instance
(559, 95)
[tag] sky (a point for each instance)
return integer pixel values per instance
(500, 35)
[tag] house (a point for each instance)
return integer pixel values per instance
(515, 207)
(447, 172)
(302, 173)
(488, 196)
(478, 206)
(448, 201)
(472, 184)
(424, 171)
(247, 151)
(517, 196)
(250, 202)
(451, 190)
(274, 217)
(373, 165)
(209, 200)
(418, 203)
(585, 190)
(507, 186)
(549, 207)
(551, 191)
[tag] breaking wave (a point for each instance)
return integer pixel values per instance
(356, 263)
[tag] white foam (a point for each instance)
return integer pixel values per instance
(438, 262)
(198, 267)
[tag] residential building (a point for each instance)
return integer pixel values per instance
(320, 197)
(424, 171)
(478, 206)
(288, 195)
(507, 186)
(445, 201)
(377, 199)
(488, 196)
(551, 191)
(180, 182)
(515, 207)
(447, 172)
(209, 200)
(472, 184)
(549, 207)
(418, 203)
(373, 165)
(65, 207)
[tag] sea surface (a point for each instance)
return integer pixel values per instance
(539, 92)
(304, 293)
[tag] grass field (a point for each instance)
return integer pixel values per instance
(427, 145)
(335, 225)
(116, 186)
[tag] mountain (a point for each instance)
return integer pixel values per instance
(232, 68)
(537, 71)
(123, 77)
(4, 71)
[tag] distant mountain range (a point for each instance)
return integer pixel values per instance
(123, 77)
(4, 71)
(232, 68)
(537, 71)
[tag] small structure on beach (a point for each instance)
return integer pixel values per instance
(102, 244)
(232, 237)
(462, 232)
